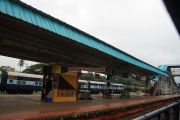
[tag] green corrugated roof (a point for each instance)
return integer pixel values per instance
(22, 11)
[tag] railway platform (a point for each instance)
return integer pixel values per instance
(22, 107)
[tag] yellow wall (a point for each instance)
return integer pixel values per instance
(71, 78)
(56, 69)
(55, 97)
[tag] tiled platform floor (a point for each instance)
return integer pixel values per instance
(19, 107)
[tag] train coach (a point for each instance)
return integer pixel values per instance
(15, 82)
(96, 87)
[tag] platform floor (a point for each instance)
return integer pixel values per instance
(18, 107)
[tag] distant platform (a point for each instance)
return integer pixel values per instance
(20, 107)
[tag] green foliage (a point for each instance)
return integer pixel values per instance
(3, 93)
(87, 76)
(34, 69)
(1, 69)
(101, 78)
(128, 81)
(115, 79)
(125, 94)
(36, 92)
(90, 76)
(21, 63)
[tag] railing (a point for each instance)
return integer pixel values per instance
(169, 112)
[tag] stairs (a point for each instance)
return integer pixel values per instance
(165, 86)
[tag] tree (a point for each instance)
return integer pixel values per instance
(87, 76)
(35, 69)
(21, 63)
(128, 81)
(1, 69)
(101, 79)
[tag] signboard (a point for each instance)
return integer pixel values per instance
(90, 69)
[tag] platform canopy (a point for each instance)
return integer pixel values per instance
(173, 7)
(30, 34)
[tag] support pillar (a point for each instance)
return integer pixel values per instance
(147, 81)
(59, 85)
(108, 90)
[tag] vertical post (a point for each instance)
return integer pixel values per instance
(107, 91)
(42, 89)
(147, 81)
(166, 115)
(56, 72)
(159, 116)
(108, 85)
(176, 112)
(47, 83)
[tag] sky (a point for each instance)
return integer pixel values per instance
(141, 28)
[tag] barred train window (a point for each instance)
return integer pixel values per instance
(40, 83)
(23, 82)
(18, 82)
(36, 83)
(10, 81)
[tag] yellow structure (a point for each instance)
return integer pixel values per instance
(64, 85)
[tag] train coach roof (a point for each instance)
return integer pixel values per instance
(96, 82)
(24, 75)
(83, 81)
(118, 84)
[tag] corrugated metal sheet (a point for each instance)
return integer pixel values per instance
(31, 15)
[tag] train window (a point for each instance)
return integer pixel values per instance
(31, 79)
(36, 83)
(83, 85)
(20, 78)
(26, 78)
(92, 86)
(10, 81)
(40, 83)
(23, 82)
(18, 82)
(119, 87)
(96, 86)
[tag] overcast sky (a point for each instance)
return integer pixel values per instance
(141, 28)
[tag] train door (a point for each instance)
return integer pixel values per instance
(18, 86)
(11, 84)
(20, 82)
